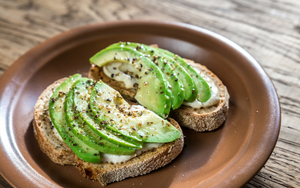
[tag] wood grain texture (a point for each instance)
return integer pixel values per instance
(268, 30)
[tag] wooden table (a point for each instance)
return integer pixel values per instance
(268, 30)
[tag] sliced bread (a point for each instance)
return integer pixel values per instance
(202, 119)
(55, 148)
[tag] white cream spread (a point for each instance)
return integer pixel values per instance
(214, 98)
(113, 158)
(121, 72)
(125, 73)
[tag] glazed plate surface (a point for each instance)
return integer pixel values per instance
(227, 157)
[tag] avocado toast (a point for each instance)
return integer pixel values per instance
(201, 102)
(87, 122)
(66, 134)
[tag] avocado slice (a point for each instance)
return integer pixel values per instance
(189, 85)
(82, 90)
(153, 90)
(133, 121)
(176, 85)
(81, 130)
(204, 92)
(57, 116)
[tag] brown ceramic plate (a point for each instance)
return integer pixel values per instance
(227, 157)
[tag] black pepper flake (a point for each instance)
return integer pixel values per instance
(73, 125)
(133, 128)
(100, 144)
(172, 75)
(69, 128)
(193, 91)
(62, 93)
(197, 76)
(141, 136)
(74, 144)
(165, 62)
(103, 122)
(176, 80)
(52, 127)
(140, 69)
(95, 154)
(100, 138)
(150, 69)
(112, 75)
(109, 112)
(108, 100)
(111, 120)
(115, 58)
(146, 73)
(53, 100)
(50, 122)
(152, 51)
(89, 106)
(161, 92)
(134, 59)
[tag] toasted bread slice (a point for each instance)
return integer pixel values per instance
(203, 119)
(55, 148)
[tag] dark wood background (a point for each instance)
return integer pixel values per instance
(269, 30)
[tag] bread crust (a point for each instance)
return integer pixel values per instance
(59, 152)
(201, 120)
